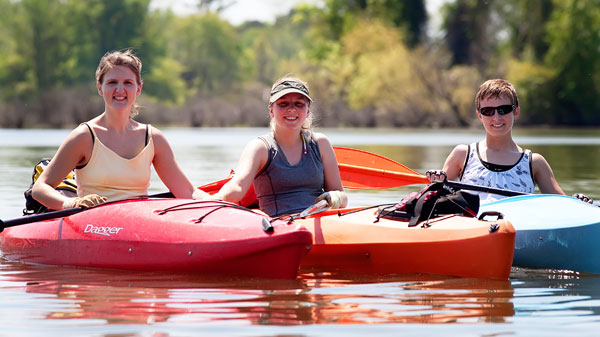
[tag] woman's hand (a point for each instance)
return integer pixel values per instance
(334, 198)
(436, 176)
(583, 198)
(201, 195)
(87, 201)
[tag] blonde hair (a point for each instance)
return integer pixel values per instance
(496, 88)
(124, 58)
(308, 123)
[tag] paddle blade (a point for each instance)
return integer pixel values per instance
(367, 159)
(364, 170)
(248, 200)
(214, 187)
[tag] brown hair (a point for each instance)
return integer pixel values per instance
(124, 58)
(496, 88)
(291, 78)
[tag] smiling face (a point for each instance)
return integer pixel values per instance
(497, 124)
(290, 111)
(119, 88)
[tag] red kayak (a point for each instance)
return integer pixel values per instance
(163, 234)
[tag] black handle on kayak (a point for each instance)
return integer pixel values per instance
(498, 215)
(38, 217)
(500, 191)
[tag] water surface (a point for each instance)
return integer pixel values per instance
(59, 301)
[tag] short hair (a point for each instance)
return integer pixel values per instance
(496, 88)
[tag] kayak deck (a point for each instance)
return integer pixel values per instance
(450, 245)
(553, 231)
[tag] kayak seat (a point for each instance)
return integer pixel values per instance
(434, 201)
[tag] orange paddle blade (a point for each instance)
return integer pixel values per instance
(247, 201)
(214, 187)
(367, 159)
(364, 170)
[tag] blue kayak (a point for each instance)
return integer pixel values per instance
(553, 231)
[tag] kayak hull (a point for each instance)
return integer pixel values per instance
(553, 231)
(450, 245)
(133, 235)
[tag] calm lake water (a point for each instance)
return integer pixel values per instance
(58, 301)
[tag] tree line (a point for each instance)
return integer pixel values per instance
(368, 63)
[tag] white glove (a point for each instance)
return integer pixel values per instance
(87, 201)
(334, 198)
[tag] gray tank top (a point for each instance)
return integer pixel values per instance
(282, 188)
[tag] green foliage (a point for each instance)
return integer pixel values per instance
(574, 35)
(210, 51)
(367, 62)
(13, 69)
(411, 16)
(469, 31)
(164, 82)
(526, 24)
(384, 83)
(531, 81)
(44, 48)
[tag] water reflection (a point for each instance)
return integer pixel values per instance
(360, 299)
(547, 292)
(115, 297)
(68, 301)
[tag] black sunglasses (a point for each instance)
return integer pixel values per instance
(502, 110)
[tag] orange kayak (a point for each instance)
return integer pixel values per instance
(449, 245)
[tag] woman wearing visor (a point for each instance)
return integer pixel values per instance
(291, 167)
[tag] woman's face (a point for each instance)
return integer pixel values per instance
(497, 124)
(290, 111)
(119, 89)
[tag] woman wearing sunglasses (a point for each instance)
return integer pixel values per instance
(497, 161)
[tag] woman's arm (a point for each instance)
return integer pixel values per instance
(453, 166)
(333, 181)
(543, 175)
(253, 158)
(544, 178)
(170, 172)
(74, 150)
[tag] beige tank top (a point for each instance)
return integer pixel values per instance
(112, 176)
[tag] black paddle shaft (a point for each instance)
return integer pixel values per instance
(38, 217)
(478, 188)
